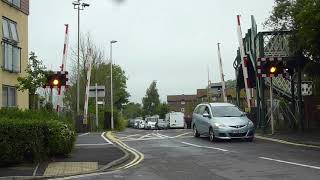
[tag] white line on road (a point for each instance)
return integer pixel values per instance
(181, 135)
(107, 140)
(100, 144)
(145, 136)
(145, 139)
(288, 162)
(208, 147)
(83, 134)
(161, 136)
(35, 170)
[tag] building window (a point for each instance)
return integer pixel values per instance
(9, 30)
(11, 52)
(8, 96)
(11, 57)
(14, 2)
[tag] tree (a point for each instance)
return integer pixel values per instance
(231, 83)
(162, 110)
(100, 74)
(132, 110)
(151, 100)
(36, 78)
(302, 17)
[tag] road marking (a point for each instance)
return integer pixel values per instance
(208, 147)
(145, 136)
(163, 136)
(126, 137)
(100, 144)
(286, 142)
(181, 135)
(145, 139)
(107, 140)
(288, 162)
(35, 170)
(83, 134)
(138, 157)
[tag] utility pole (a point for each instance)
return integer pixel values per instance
(111, 83)
(79, 6)
(222, 76)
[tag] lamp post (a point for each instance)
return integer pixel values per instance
(111, 83)
(79, 6)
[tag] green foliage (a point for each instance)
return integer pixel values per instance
(162, 110)
(132, 110)
(231, 83)
(33, 136)
(302, 17)
(151, 100)
(36, 77)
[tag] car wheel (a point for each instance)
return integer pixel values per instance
(211, 135)
(250, 139)
(195, 132)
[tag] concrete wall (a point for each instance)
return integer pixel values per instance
(7, 78)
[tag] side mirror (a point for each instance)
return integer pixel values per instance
(206, 115)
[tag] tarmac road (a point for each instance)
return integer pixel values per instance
(175, 154)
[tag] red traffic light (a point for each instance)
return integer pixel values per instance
(57, 79)
(273, 69)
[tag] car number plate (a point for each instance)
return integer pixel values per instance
(238, 131)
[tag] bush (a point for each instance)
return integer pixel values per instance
(61, 138)
(33, 136)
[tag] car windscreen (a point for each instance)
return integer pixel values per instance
(226, 111)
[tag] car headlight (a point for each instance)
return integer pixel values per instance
(219, 125)
(250, 123)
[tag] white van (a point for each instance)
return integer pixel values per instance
(175, 119)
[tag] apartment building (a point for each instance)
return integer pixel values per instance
(13, 52)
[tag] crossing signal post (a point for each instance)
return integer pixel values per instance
(58, 80)
(270, 67)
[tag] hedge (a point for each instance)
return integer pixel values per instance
(33, 136)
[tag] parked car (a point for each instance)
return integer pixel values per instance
(136, 123)
(151, 122)
(222, 121)
(131, 122)
(162, 124)
(175, 119)
(141, 124)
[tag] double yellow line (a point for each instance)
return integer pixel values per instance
(138, 157)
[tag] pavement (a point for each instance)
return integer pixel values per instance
(175, 154)
(92, 152)
(306, 138)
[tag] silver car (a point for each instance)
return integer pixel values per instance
(222, 121)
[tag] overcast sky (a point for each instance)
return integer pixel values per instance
(171, 41)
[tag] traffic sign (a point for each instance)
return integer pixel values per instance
(100, 91)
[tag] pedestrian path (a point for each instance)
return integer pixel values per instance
(92, 150)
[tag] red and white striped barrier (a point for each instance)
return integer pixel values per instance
(64, 59)
(86, 99)
(244, 63)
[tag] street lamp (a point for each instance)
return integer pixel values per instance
(79, 6)
(111, 83)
